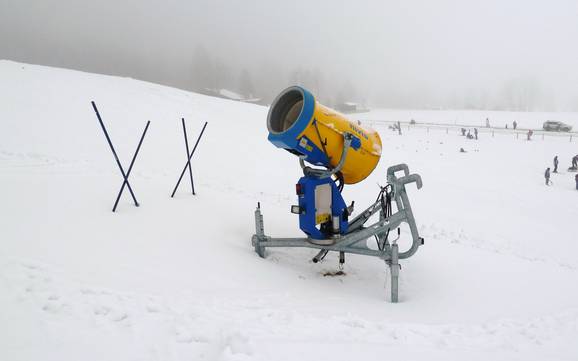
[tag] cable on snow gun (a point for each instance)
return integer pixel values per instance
(338, 152)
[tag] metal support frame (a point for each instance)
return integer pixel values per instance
(189, 157)
(354, 241)
(127, 174)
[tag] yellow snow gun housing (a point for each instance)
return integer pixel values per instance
(300, 124)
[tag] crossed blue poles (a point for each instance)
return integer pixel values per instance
(127, 174)
(189, 157)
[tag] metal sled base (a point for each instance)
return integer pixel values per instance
(354, 240)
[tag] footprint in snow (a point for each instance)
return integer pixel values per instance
(118, 316)
(101, 310)
(55, 307)
(152, 308)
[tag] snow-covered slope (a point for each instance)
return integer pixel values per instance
(177, 279)
(473, 118)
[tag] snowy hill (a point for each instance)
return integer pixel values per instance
(177, 279)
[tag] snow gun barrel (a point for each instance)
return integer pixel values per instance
(301, 125)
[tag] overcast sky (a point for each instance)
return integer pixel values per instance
(395, 53)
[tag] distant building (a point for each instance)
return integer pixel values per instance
(231, 95)
(350, 107)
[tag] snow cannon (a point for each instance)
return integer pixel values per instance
(300, 124)
(339, 152)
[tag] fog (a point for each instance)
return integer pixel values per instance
(515, 55)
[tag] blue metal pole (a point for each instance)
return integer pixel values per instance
(189, 163)
(130, 167)
(114, 153)
(189, 160)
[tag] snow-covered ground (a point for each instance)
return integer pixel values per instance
(177, 279)
(473, 118)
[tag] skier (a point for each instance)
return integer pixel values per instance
(530, 132)
(469, 136)
(547, 176)
(487, 122)
(464, 132)
(515, 125)
(555, 165)
(476, 133)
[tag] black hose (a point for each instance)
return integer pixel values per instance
(384, 198)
